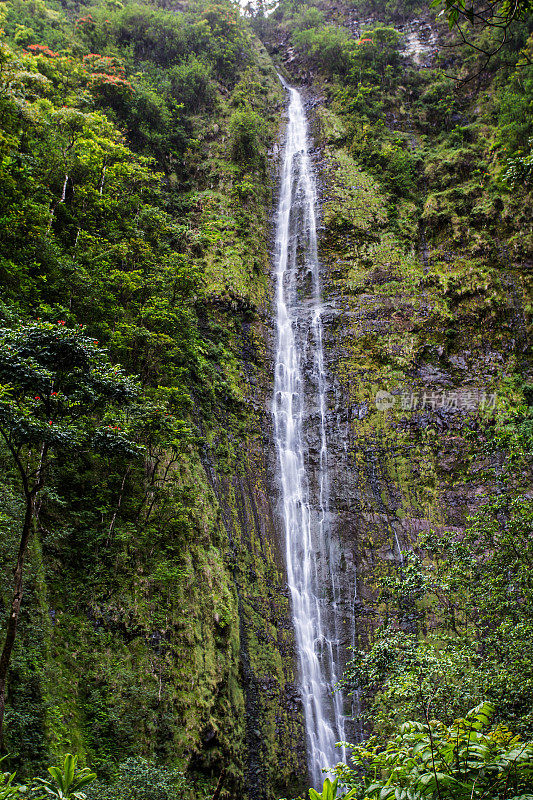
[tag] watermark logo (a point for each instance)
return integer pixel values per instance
(384, 400)
(456, 400)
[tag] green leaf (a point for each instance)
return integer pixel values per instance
(69, 768)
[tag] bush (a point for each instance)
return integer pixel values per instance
(191, 84)
(246, 129)
(459, 762)
(308, 17)
(152, 34)
(519, 171)
(328, 47)
(139, 779)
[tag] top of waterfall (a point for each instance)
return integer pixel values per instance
(283, 81)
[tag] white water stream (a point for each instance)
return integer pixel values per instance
(299, 409)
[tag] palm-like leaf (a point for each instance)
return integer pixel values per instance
(67, 780)
(9, 790)
(329, 791)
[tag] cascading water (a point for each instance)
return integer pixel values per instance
(300, 405)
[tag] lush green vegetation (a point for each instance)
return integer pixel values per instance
(136, 778)
(458, 625)
(135, 195)
(75, 385)
(464, 760)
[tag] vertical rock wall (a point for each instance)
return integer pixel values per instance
(440, 335)
(167, 635)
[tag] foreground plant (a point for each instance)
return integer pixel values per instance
(67, 780)
(432, 760)
(9, 790)
(330, 791)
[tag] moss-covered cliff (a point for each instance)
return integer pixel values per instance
(155, 620)
(139, 155)
(426, 269)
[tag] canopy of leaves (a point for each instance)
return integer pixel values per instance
(54, 382)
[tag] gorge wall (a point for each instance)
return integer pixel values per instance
(156, 627)
(427, 289)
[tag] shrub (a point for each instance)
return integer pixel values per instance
(191, 84)
(140, 779)
(328, 47)
(67, 780)
(432, 760)
(246, 129)
(308, 17)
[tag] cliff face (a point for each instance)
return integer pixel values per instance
(156, 621)
(427, 288)
(185, 656)
(440, 336)
(274, 737)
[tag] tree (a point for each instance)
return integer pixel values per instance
(469, 18)
(457, 623)
(55, 385)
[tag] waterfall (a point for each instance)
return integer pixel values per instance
(299, 409)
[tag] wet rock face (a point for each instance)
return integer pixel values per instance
(412, 465)
(419, 42)
(271, 752)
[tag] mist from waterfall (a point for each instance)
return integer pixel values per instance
(299, 406)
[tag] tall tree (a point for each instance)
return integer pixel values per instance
(56, 383)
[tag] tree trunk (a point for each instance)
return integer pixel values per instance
(219, 785)
(13, 618)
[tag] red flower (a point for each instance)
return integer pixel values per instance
(41, 49)
(37, 397)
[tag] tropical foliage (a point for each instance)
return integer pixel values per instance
(67, 780)
(134, 213)
(432, 760)
(133, 219)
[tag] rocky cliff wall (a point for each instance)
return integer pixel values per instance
(443, 337)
